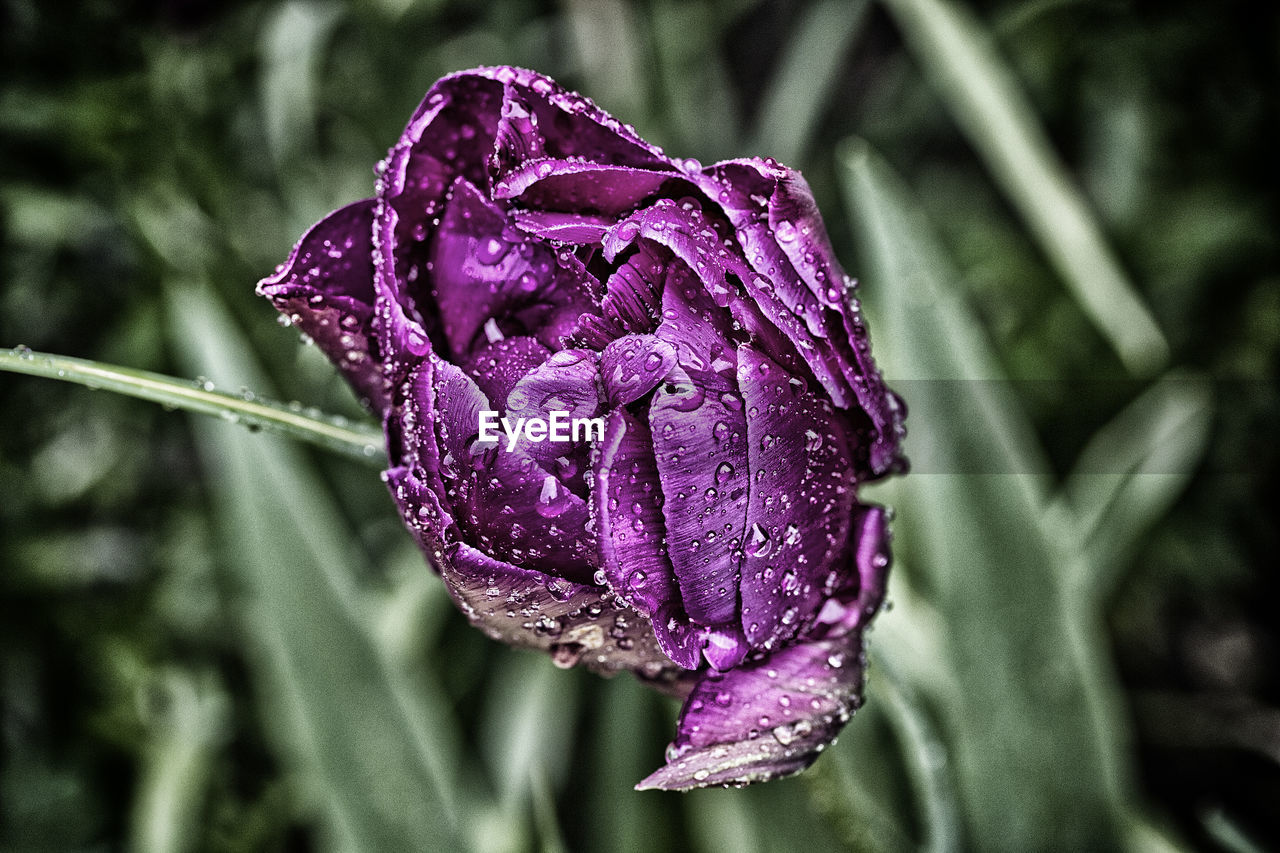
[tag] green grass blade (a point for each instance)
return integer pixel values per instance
(360, 441)
(926, 755)
(989, 105)
(321, 677)
(1027, 764)
(802, 86)
(1130, 473)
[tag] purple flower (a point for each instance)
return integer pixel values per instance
(689, 398)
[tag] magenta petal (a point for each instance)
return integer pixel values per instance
(578, 229)
(782, 233)
(498, 366)
(860, 594)
(699, 442)
(634, 291)
(561, 124)
(564, 389)
(458, 117)
(764, 719)
(509, 505)
(575, 622)
(325, 288)
(633, 365)
(802, 495)
(626, 502)
(569, 185)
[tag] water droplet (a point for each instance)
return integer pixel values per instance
(566, 655)
(724, 473)
(758, 545)
(785, 232)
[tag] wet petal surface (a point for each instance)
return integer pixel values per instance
(764, 719)
(325, 288)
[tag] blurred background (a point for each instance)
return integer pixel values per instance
(1064, 216)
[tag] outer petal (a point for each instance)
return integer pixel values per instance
(802, 495)
(542, 119)
(326, 289)
(626, 503)
(859, 594)
(764, 719)
(784, 238)
(574, 622)
(447, 137)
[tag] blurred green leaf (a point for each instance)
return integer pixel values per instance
(190, 726)
(1028, 765)
(1129, 475)
(809, 71)
(321, 678)
(926, 755)
(987, 102)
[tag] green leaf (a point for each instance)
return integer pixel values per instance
(1129, 475)
(807, 75)
(322, 680)
(1027, 762)
(987, 102)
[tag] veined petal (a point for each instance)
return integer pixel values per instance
(802, 495)
(633, 365)
(546, 183)
(325, 288)
(626, 502)
(574, 622)
(784, 239)
(508, 504)
(764, 719)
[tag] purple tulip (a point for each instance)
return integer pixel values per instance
(689, 398)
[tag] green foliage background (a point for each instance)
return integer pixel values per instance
(212, 639)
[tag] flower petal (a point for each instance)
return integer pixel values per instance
(577, 229)
(626, 503)
(575, 622)
(498, 366)
(506, 503)
(633, 365)
(802, 494)
(458, 117)
(563, 390)
(857, 597)
(326, 289)
(542, 119)
(483, 270)
(699, 435)
(783, 236)
(546, 183)
(764, 719)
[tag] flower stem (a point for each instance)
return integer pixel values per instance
(332, 432)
